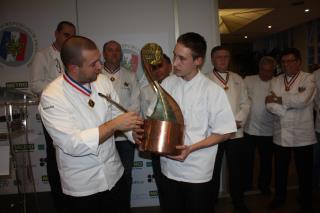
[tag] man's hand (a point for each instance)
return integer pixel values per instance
(125, 122)
(137, 135)
(185, 151)
(272, 98)
(128, 121)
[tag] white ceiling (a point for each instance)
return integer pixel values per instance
(285, 14)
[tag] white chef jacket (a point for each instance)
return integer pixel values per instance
(85, 167)
(46, 67)
(126, 85)
(206, 111)
(260, 121)
(238, 97)
(317, 100)
(293, 120)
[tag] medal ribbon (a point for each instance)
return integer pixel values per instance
(77, 86)
(220, 78)
(287, 83)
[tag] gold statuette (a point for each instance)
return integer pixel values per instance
(152, 54)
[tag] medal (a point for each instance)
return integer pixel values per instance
(288, 84)
(91, 103)
(112, 79)
(221, 79)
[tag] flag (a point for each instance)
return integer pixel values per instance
(13, 46)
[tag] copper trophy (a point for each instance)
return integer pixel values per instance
(164, 129)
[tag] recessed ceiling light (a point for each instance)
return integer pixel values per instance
(245, 37)
(306, 10)
(270, 26)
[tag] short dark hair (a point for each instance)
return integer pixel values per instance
(62, 23)
(195, 42)
(294, 51)
(165, 57)
(71, 50)
(111, 41)
(219, 47)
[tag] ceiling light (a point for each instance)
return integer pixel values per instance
(270, 26)
(245, 37)
(306, 10)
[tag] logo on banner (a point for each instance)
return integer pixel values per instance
(130, 57)
(17, 44)
(131, 61)
(137, 164)
(138, 182)
(19, 84)
(149, 164)
(23, 148)
(153, 194)
(44, 179)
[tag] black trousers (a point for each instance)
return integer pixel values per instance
(156, 167)
(234, 155)
(303, 158)
(109, 201)
(126, 153)
(182, 197)
(265, 147)
(53, 174)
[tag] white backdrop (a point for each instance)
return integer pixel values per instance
(131, 23)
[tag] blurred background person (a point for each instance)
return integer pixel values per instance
(259, 127)
(126, 85)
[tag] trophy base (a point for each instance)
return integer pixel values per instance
(162, 137)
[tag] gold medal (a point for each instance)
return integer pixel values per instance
(112, 79)
(91, 103)
(287, 89)
(226, 88)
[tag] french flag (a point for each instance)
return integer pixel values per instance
(13, 46)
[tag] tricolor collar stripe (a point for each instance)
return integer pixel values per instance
(76, 85)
